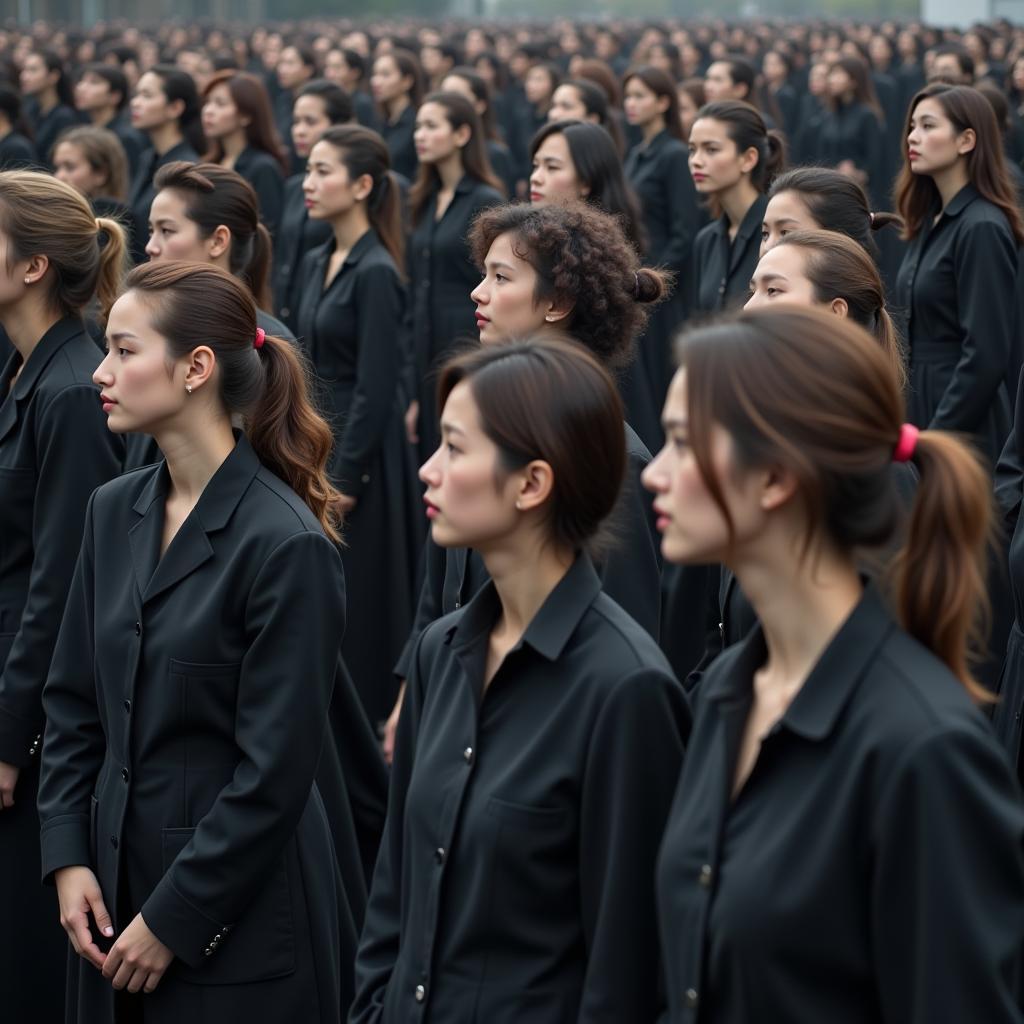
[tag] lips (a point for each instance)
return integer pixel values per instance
(913, 154)
(107, 402)
(535, 197)
(431, 509)
(697, 178)
(481, 321)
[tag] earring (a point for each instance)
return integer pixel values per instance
(188, 388)
(549, 318)
(519, 506)
(28, 280)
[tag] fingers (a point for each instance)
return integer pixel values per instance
(77, 927)
(99, 911)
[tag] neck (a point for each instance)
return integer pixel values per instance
(653, 128)
(195, 451)
(450, 171)
(25, 324)
(102, 116)
(47, 100)
(233, 145)
(165, 137)
(350, 228)
(396, 106)
(951, 181)
(737, 200)
(524, 574)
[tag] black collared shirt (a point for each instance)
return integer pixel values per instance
(516, 877)
(724, 266)
(870, 869)
(265, 175)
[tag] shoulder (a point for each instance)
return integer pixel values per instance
(985, 218)
(263, 164)
(616, 645)
(123, 491)
(376, 264)
(272, 326)
(636, 451)
(482, 195)
(280, 511)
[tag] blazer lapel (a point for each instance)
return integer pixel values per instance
(189, 550)
(145, 536)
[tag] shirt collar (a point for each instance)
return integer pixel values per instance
(49, 345)
(961, 201)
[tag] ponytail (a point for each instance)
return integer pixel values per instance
(113, 263)
(256, 272)
(773, 159)
(889, 338)
(940, 590)
(386, 218)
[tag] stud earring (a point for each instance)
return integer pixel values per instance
(519, 506)
(28, 280)
(549, 318)
(188, 388)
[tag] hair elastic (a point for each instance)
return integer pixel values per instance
(636, 285)
(904, 450)
(261, 336)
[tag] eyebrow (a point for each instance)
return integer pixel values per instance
(769, 276)
(499, 266)
(451, 428)
(676, 424)
(782, 220)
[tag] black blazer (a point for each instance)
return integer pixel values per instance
(515, 880)
(186, 710)
(296, 234)
(723, 269)
(47, 127)
(16, 153)
(140, 198)
(823, 891)
(264, 173)
(398, 135)
(55, 449)
(854, 132)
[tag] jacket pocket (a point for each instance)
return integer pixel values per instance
(261, 943)
(205, 695)
(524, 816)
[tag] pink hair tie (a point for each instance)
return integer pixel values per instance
(904, 450)
(261, 336)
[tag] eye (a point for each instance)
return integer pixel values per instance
(500, 277)
(452, 450)
(764, 234)
(771, 291)
(122, 352)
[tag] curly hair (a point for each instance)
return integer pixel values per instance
(582, 258)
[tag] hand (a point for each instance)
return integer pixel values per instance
(391, 725)
(8, 780)
(412, 416)
(347, 503)
(138, 959)
(78, 893)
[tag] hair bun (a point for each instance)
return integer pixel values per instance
(650, 285)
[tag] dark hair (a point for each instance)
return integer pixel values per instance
(746, 128)
(598, 72)
(802, 389)
(838, 267)
(836, 202)
(249, 95)
(598, 166)
(337, 103)
(595, 103)
(863, 87)
(54, 62)
(497, 65)
(362, 152)
(10, 107)
(998, 101)
(581, 257)
(216, 196)
(661, 85)
(103, 152)
(548, 398)
(482, 93)
(553, 71)
(408, 67)
(963, 57)
(306, 54)
(742, 72)
(355, 60)
(966, 108)
(197, 304)
(71, 237)
(115, 78)
(459, 112)
(178, 85)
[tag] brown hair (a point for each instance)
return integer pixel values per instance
(103, 152)
(838, 267)
(215, 196)
(408, 67)
(362, 152)
(599, 72)
(197, 304)
(548, 398)
(250, 96)
(916, 194)
(863, 87)
(581, 257)
(86, 253)
(660, 83)
(805, 390)
(458, 112)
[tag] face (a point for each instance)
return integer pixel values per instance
(329, 192)
(93, 93)
(642, 106)
(839, 82)
(554, 175)
(946, 68)
(387, 82)
(817, 80)
(336, 68)
(537, 85)
(933, 144)
(780, 276)
(786, 213)
(774, 67)
(291, 72)
(221, 117)
(34, 77)
(172, 236)
(71, 166)
(715, 162)
(566, 105)
(687, 112)
(718, 83)
(505, 305)
(309, 122)
(138, 389)
(149, 105)
(12, 278)
(434, 137)
(465, 504)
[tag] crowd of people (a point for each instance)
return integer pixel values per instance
(512, 523)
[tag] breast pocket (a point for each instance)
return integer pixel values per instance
(206, 697)
(261, 944)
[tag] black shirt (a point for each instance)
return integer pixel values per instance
(515, 881)
(398, 135)
(264, 173)
(47, 128)
(870, 869)
(296, 234)
(723, 267)
(16, 153)
(853, 132)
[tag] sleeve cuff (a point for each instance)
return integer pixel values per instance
(65, 844)
(184, 929)
(20, 739)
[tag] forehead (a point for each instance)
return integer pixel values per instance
(928, 108)
(310, 106)
(130, 315)
(707, 129)
(788, 205)
(502, 250)
(460, 408)
(433, 111)
(786, 260)
(324, 153)
(554, 146)
(168, 203)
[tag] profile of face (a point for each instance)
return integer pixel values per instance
(149, 105)
(715, 162)
(93, 93)
(466, 504)
(506, 306)
(687, 111)
(641, 105)
(719, 84)
(786, 212)
(328, 190)
(173, 236)
(71, 166)
(817, 80)
(309, 122)
(538, 85)
(774, 68)
(387, 83)
(221, 117)
(553, 176)
(933, 142)
(567, 105)
(781, 276)
(434, 137)
(945, 67)
(291, 71)
(34, 77)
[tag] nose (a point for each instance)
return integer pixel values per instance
(152, 248)
(429, 471)
(479, 294)
(102, 375)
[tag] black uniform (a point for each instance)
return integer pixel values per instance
(870, 869)
(186, 710)
(55, 448)
(16, 153)
(723, 268)
(133, 142)
(398, 135)
(352, 331)
(47, 127)
(955, 290)
(264, 173)
(142, 191)
(515, 881)
(296, 234)
(852, 131)
(441, 277)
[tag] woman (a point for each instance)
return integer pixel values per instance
(580, 100)
(180, 823)
(839, 749)
(239, 127)
(49, 103)
(542, 731)
(397, 85)
(539, 85)
(54, 451)
(16, 149)
(165, 108)
(733, 159)
(318, 105)
(92, 160)
(454, 183)
(350, 321)
(956, 283)
(778, 93)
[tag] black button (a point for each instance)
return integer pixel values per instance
(124, 774)
(467, 755)
(138, 629)
(127, 707)
(113, 842)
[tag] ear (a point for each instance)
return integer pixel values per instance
(200, 366)
(966, 141)
(36, 268)
(557, 311)
(362, 187)
(534, 484)
(778, 486)
(219, 242)
(840, 307)
(462, 135)
(748, 160)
